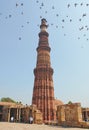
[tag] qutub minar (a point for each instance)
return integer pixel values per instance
(43, 91)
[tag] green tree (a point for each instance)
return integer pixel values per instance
(7, 99)
(69, 102)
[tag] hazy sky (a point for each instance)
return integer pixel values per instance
(68, 38)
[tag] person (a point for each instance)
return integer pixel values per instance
(31, 119)
(12, 119)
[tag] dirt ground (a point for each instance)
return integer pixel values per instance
(19, 126)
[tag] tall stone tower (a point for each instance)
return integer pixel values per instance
(43, 91)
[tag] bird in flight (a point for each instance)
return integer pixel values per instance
(53, 7)
(37, 1)
(87, 4)
(16, 4)
(57, 15)
(19, 38)
(81, 28)
(68, 5)
(84, 15)
(63, 20)
(70, 20)
(80, 19)
(42, 4)
(75, 4)
(10, 15)
(81, 4)
(21, 4)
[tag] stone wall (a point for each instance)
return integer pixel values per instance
(30, 111)
(38, 117)
(71, 115)
(5, 114)
(73, 112)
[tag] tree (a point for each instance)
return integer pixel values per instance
(7, 99)
(69, 102)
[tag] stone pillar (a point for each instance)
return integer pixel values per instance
(8, 114)
(61, 114)
(17, 115)
(79, 112)
(86, 114)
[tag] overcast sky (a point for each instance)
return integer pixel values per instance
(68, 30)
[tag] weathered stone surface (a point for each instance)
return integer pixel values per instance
(71, 115)
(43, 91)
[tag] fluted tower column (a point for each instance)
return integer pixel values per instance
(43, 91)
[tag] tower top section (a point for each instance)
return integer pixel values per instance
(43, 25)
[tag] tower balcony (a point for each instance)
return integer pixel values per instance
(43, 70)
(46, 48)
(44, 33)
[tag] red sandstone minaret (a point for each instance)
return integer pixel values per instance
(43, 91)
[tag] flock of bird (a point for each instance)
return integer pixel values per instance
(67, 18)
(63, 21)
(17, 5)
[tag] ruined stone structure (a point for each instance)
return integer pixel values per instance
(7, 110)
(19, 112)
(71, 115)
(31, 111)
(43, 91)
(85, 113)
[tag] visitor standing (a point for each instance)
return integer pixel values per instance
(12, 119)
(31, 120)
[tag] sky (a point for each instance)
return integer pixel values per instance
(68, 30)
